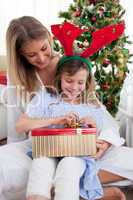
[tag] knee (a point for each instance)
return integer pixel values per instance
(71, 166)
(71, 163)
(43, 163)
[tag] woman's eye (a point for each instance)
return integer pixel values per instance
(31, 56)
(44, 48)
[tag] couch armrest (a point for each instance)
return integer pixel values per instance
(126, 113)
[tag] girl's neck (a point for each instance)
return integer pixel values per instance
(75, 101)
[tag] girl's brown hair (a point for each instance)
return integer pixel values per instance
(20, 31)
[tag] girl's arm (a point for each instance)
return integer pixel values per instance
(26, 123)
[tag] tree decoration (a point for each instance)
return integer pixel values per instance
(110, 62)
(106, 62)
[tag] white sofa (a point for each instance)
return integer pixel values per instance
(3, 115)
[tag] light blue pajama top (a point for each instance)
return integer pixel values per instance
(46, 105)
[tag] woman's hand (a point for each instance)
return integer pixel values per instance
(88, 121)
(102, 147)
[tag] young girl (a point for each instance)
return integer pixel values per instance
(49, 109)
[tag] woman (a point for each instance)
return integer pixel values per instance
(28, 45)
(32, 64)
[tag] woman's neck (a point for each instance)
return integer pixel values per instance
(47, 75)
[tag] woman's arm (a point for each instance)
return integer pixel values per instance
(110, 130)
(14, 110)
(108, 133)
(102, 147)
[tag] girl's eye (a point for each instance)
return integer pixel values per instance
(81, 83)
(68, 81)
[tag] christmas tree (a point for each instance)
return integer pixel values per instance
(109, 63)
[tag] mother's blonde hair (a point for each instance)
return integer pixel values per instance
(20, 31)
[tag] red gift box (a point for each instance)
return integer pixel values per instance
(3, 78)
(63, 142)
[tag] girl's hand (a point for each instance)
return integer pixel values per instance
(88, 121)
(68, 119)
(102, 147)
(71, 118)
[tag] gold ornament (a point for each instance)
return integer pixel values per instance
(120, 55)
(120, 61)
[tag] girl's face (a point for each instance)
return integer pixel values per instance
(38, 53)
(73, 86)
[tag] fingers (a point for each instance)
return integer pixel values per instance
(89, 121)
(102, 147)
(73, 115)
(92, 123)
(71, 118)
(99, 153)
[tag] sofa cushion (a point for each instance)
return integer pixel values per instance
(14, 167)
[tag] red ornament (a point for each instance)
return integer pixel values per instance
(102, 9)
(109, 104)
(106, 62)
(93, 19)
(93, 2)
(77, 13)
(80, 45)
(105, 86)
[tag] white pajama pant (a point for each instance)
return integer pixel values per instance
(64, 175)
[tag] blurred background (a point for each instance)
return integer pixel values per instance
(47, 12)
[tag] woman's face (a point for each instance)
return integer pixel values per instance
(73, 86)
(37, 53)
